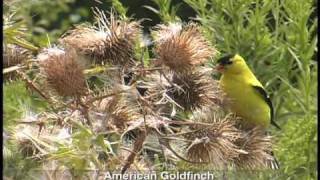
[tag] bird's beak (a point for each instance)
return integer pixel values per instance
(220, 68)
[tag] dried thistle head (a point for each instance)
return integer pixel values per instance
(213, 143)
(258, 146)
(62, 71)
(164, 32)
(110, 41)
(190, 91)
(181, 50)
(156, 87)
(196, 90)
(119, 110)
(22, 136)
(14, 55)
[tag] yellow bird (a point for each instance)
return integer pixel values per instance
(248, 98)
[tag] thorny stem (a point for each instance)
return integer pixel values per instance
(32, 86)
(41, 124)
(84, 110)
(12, 69)
(90, 101)
(167, 145)
(137, 146)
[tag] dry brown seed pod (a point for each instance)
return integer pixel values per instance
(258, 146)
(63, 72)
(164, 32)
(190, 91)
(181, 50)
(110, 41)
(213, 143)
(157, 86)
(119, 110)
(198, 90)
(14, 55)
(34, 140)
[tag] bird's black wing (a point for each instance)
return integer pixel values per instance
(267, 99)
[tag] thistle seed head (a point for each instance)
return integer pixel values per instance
(258, 146)
(157, 86)
(197, 90)
(119, 110)
(14, 55)
(182, 49)
(164, 32)
(62, 71)
(213, 144)
(110, 41)
(190, 91)
(21, 135)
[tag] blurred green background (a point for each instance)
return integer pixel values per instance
(277, 38)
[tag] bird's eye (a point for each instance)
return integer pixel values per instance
(229, 62)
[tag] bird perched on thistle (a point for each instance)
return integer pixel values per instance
(248, 98)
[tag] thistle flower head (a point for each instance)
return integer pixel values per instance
(182, 49)
(62, 71)
(190, 91)
(22, 135)
(156, 87)
(258, 146)
(110, 41)
(118, 110)
(14, 55)
(164, 32)
(213, 143)
(197, 90)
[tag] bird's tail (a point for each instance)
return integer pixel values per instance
(273, 163)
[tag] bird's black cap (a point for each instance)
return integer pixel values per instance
(224, 60)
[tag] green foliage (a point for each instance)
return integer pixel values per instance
(16, 166)
(166, 11)
(118, 6)
(298, 148)
(59, 16)
(84, 150)
(18, 101)
(14, 33)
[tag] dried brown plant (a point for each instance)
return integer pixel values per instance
(14, 55)
(198, 90)
(119, 110)
(258, 146)
(164, 32)
(190, 91)
(62, 71)
(157, 87)
(110, 41)
(182, 49)
(213, 143)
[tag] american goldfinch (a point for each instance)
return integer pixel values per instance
(248, 99)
